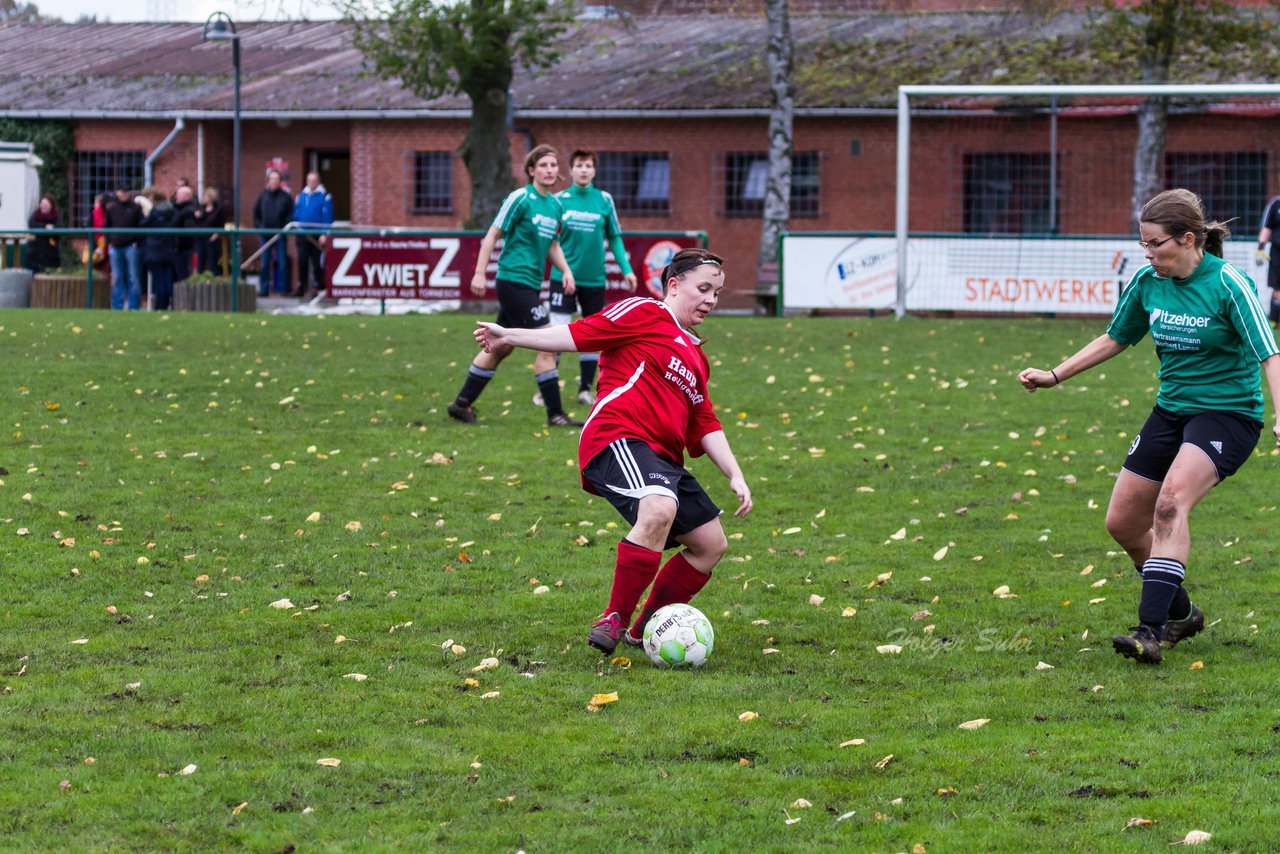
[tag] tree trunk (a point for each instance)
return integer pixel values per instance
(1148, 155)
(777, 195)
(486, 151)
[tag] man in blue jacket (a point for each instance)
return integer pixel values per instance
(313, 207)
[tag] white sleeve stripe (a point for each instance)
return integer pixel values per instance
(506, 206)
(1129, 290)
(1235, 283)
(618, 309)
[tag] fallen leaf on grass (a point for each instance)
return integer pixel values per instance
(598, 700)
(848, 612)
(458, 649)
(748, 716)
(486, 664)
(340, 639)
(282, 604)
(353, 526)
(342, 597)
(976, 723)
(491, 695)
(540, 589)
(236, 809)
(355, 677)
(853, 742)
(329, 762)
(889, 649)
(792, 531)
(1138, 822)
(769, 651)
(940, 553)
(621, 661)
(801, 804)
(948, 790)
(883, 763)
(1042, 665)
(314, 517)
(188, 770)
(1196, 665)
(79, 641)
(815, 599)
(920, 615)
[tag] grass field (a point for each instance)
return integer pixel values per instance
(167, 478)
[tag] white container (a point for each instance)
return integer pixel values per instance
(19, 184)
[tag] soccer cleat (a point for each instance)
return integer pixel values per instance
(587, 397)
(537, 399)
(1142, 646)
(465, 414)
(1180, 630)
(631, 641)
(562, 420)
(605, 632)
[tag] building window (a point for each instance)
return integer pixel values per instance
(432, 182)
(1231, 183)
(639, 181)
(747, 173)
(1009, 193)
(98, 172)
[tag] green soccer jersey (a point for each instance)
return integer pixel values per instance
(529, 222)
(1210, 334)
(588, 220)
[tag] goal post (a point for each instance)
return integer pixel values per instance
(1087, 210)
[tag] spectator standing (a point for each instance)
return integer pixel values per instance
(273, 209)
(42, 250)
(160, 251)
(184, 207)
(123, 250)
(97, 220)
(313, 207)
(211, 216)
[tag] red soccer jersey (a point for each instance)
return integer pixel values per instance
(653, 381)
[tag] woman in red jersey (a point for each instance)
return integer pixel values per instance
(652, 407)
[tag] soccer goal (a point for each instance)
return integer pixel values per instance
(1020, 198)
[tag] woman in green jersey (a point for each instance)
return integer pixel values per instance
(1211, 335)
(528, 225)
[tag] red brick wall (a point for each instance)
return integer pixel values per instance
(857, 189)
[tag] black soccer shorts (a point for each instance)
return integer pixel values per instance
(520, 306)
(590, 299)
(629, 470)
(1227, 439)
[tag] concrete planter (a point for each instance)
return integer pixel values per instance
(213, 295)
(15, 288)
(68, 291)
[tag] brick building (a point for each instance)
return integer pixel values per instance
(675, 101)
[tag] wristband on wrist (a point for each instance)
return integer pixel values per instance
(1056, 381)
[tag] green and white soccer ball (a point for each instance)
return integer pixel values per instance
(678, 636)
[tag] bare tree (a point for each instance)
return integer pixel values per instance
(1157, 33)
(777, 194)
(469, 47)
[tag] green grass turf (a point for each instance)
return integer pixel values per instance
(169, 448)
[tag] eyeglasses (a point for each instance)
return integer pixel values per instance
(1153, 244)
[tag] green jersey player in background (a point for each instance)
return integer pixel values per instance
(528, 224)
(589, 219)
(1211, 335)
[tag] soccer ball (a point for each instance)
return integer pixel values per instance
(678, 636)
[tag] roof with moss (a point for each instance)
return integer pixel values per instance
(699, 62)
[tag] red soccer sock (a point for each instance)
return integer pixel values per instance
(636, 567)
(678, 581)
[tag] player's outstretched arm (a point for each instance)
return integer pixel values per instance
(717, 447)
(1095, 352)
(549, 339)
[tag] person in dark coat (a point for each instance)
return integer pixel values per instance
(41, 251)
(210, 218)
(184, 206)
(274, 209)
(124, 251)
(160, 251)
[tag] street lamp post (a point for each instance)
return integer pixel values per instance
(220, 27)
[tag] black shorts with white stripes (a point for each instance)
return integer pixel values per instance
(629, 470)
(1227, 439)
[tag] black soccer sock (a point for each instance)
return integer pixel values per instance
(587, 362)
(549, 385)
(1181, 607)
(477, 379)
(1161, 581)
